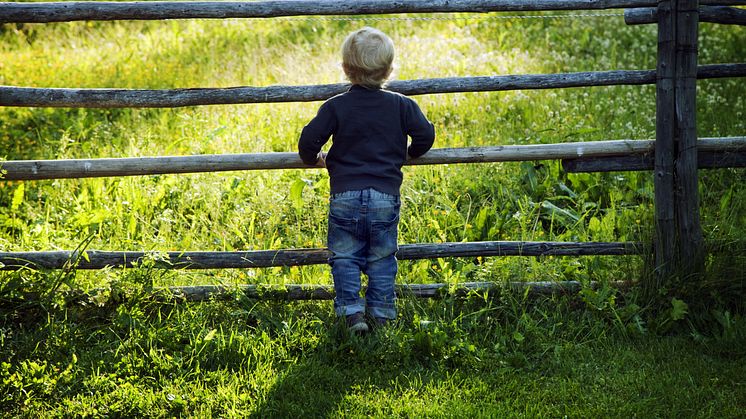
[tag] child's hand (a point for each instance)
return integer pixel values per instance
(321, 160)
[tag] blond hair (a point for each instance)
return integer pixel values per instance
(367, 57)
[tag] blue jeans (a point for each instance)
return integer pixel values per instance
(363, 227)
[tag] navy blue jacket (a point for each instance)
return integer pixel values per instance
(369, 129)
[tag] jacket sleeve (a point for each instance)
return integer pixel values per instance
(316, 134)
(419, 129)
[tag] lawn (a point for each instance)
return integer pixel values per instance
(457, 357)
(126, 350)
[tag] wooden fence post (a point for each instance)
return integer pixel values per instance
(665, 228)
(691, 249)
(679, 242)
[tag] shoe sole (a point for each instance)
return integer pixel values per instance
(359, 328)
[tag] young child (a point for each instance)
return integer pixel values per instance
(369, 128)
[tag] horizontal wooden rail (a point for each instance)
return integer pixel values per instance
(42, 12)
(705, 160)
(712, 153)
(166, 98)
(82, 168)
(712, 14)
(293, 292)
(169, 98)
(138, 166)
(94, 259)
(296, 292)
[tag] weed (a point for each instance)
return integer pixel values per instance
(120, 350)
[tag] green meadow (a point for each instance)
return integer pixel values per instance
(128, 350)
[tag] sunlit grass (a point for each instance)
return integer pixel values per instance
(251, 210)
(124, 352)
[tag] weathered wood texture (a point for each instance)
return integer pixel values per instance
(686, 177)
(137, 166)
(663, 174)
(170, 98)
(87, 10)
(714, 71)
(641, 16)
(711, 14)
(705, 160)
(57, 169)
(713, 153)
(141, 98)
(94, 259)
(578, 152)
(610, 164)
(292, 292)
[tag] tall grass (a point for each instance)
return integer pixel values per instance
(123, 352)
(233, 211)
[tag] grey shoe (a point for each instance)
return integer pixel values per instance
(356, 323)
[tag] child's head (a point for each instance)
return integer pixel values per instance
(367, 57)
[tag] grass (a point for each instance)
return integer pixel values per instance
(451, 358)
(122, 353)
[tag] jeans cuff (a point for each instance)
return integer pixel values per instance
(382, 312)
(347, 310)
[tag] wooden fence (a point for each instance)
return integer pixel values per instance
(675, 155)
(596, 156)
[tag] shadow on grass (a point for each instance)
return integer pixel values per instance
(389, 371)
(340, 363)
